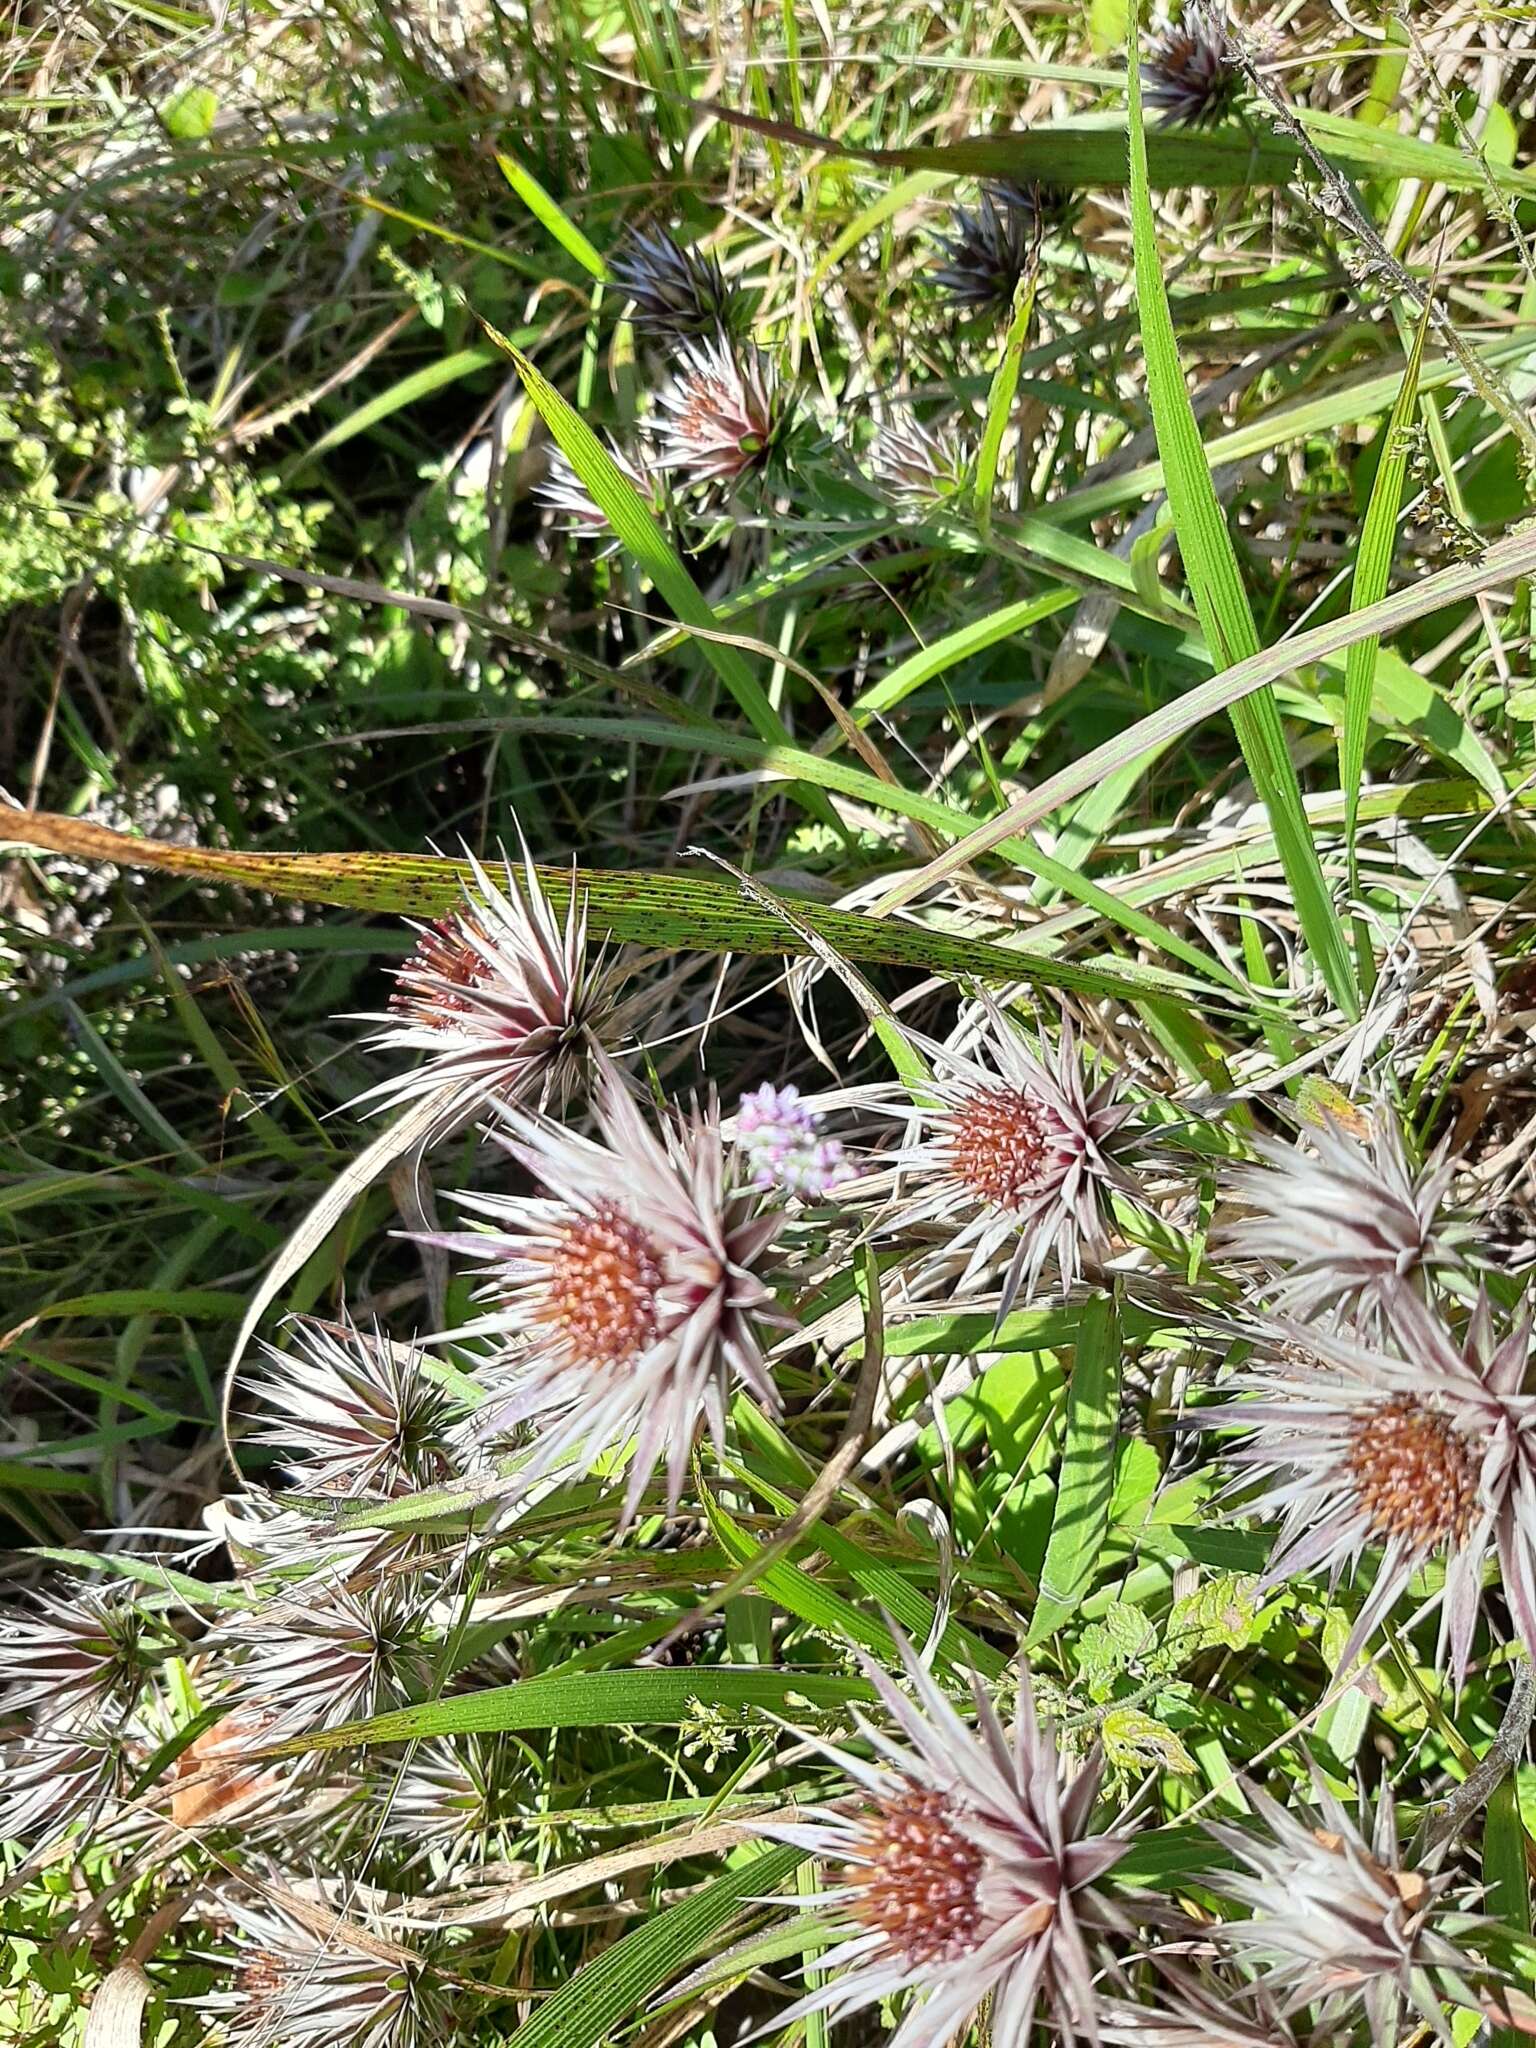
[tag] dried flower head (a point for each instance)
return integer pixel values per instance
(780, 1139)
(1013, 1156)
(1427, 1453)
(723, 413)
(632, 1288)
(54, 1776)
(335, 1657)
(1191, 74)
(675, 294)
(1337, 1923)
(919, 465)
(563, 493)
(970, 1871)
(291, 1987)
(500, 997)
(1343, 1220)
(461, 1801)
(354, 1410)
(77, 1657)
(990, 249)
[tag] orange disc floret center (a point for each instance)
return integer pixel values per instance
(1415, 1473)
(436, 980)
(1004, 1145)
(602, 1281)
(919, 1884)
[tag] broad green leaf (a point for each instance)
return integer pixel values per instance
(623, 1982)
(1086, 1482)
(1506, 1874)
(1215, 579)
(590, 1699)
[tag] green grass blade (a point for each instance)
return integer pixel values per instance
(1087, 1479)
(1005, 385)
(1373, 571)
(549, 216)
(1507, 1877)
(1215, 580)
(942, 654)
(622, 1982)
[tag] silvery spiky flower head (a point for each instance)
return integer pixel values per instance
(1343, 1219)
(331, 1657)
(919, 465)
(970, 1870)
(291, 1987)
(1014, 1156)
(1337, 1922)
(723, 413)
(55, 1775)
(77, 1657)
(460, 1800)
(633, 1285)
(1417, 1453)
(355, 1411)
(780, 1139)
(989, 251)
(499, 996)
(563, 493)
(1198, 2011)
(675, 294)
(1191, 74)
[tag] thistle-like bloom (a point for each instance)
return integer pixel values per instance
(77, 1657)
(460, 1800)
(633, 1285)
(724, 413)
(1346, 1222)
(52, 1777)
(357, 1411)
(500, 997)
(1197, 2012)
(1336, 1921)
(1191, 74)
(971, 1870)
(562, 491)
(780, 1140)
(335, 1658)
(675, 294)
(989, 250)
(293, 1988)
(1426, 1453)
(919, 465)
(1014, 1155)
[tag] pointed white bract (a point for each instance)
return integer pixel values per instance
(500, 999)
(1341, 1220)
(76, 1657)
(1195, 2011)
(629, 1296)
(1422, 1451)
(458, 1800)
(563, 493)
(1014, 1158)
(54, 1776)
(291, 1987)
(970, 1872)
(918, 465)
(355, 1412)
(1336, 1922)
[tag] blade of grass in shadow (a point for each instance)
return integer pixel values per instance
(1373, 570)
(1215, 580)
(549, 216)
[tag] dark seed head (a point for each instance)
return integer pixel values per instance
(675, 294)
(1191, 74)
(990, 249)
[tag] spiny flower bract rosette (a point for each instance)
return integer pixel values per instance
(989, 250)
(1422, 1453)
(971, 1871)
(324, 1657)
(1342, 1220)
(76, 1657)
(56, 1774)
(723, 414)
(630, 1292)
(1336, 1923)
(1191, 74)
(675, 294)
(293, 1987)
(1016, 1154)
(918, 465)
(458, 1801)
(1187, 2009)
(354, 1411)
(500, 998)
